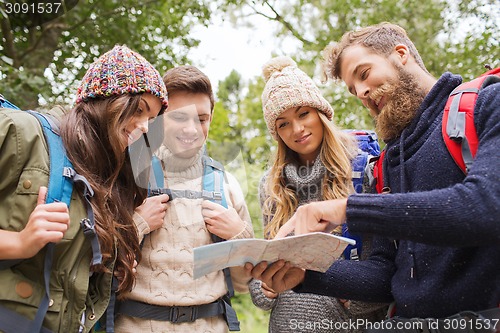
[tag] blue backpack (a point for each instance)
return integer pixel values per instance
(368, 147)
(61, 179)
(213, 190)
(213, 180)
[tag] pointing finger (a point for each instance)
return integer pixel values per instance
(286, 229)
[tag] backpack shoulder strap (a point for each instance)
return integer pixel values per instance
(213, 180)
(156, 180)
(60, 188)
(6, 104)
(62, 176)
(378, 172)
(213, 190)
(458, 129)
(60, 185)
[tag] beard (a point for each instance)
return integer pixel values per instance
(404, 96)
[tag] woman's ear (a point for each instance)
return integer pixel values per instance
(402, 53)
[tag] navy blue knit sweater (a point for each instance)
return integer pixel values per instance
(447, 225)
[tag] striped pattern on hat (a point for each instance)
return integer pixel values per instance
(289, 87)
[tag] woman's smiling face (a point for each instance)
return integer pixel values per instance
(301, 130)
(149, 108)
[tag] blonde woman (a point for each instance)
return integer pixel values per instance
(312, 163)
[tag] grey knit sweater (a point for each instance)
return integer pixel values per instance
(292, 312)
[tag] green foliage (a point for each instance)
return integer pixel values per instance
(238, 124)
(47, 61)
(252, 319)
(43, 63)
(435, 26)
(239, 138)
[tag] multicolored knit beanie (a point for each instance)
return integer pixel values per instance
(121, 71)
(288, 87)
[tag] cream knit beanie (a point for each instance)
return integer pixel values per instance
(288, 87)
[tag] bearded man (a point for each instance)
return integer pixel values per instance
(437, 250)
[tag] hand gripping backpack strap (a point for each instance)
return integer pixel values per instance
(60, 188)
(61, 179)
(52, 195)
(459, 131)
(212, 189)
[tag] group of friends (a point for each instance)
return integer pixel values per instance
(431, 243)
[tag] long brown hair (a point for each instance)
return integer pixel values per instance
(90, 133)
(336, 153)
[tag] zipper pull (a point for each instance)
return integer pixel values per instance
(412, 269)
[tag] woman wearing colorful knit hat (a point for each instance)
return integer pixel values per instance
(119, 96)
(312, 163)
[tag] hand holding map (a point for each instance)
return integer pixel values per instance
(315, 251)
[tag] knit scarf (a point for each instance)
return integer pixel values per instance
(306, 180)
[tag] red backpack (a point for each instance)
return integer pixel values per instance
(459, 131)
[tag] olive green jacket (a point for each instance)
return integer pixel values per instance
(24, 167)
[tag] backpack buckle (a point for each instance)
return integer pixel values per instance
(183, 314)
(218, 196)
(215, 196)
(69, 172)
(154, 192)
(191, 194)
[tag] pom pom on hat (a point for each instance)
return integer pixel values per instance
(288, 87)
(276, 65)
(121, 71)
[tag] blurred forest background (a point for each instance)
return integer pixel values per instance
(42, 58)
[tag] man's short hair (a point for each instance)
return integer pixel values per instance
(188, 79)
(380, 38)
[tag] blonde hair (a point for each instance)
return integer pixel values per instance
(380, 39)
(336, 153)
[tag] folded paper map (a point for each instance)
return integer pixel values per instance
(315, 251)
